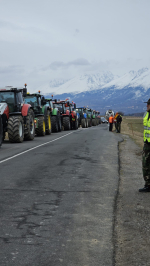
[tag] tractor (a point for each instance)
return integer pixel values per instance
(94, 120)
(89, 114)
(17, 117)
(42, 118)
(98, 118)
(55, 116)
(68, 115)
(83, 119)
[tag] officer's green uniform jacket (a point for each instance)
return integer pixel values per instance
(146, 148)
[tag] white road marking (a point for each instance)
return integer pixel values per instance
(9, 158)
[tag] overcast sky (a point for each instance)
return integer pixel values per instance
(41, 40)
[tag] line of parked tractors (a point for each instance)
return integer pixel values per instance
(22, 115)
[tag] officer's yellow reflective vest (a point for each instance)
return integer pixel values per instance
(146, 123)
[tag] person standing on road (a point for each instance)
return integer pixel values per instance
(111, 119)
(118, 123)
(115, 120)
(146, 150)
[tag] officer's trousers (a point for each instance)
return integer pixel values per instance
(118, 127)
(110, 126)
(146, 163)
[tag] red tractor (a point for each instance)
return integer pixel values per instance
(17, 117)
(68, 115)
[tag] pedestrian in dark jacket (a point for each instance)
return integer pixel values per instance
(118, 125)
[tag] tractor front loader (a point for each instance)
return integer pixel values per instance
(18, 117)
(42, 118)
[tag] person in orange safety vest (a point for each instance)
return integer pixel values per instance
(111, 120)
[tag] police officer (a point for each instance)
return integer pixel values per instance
(118, 123)
(146, 150)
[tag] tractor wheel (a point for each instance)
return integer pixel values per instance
(1, 131)
(75, 125)
(30, 132)
(66, 123)
(41, 129)
(59, 123)
(87, 124)
(15, 128)
(54, 123)
(48, 123)
(94, 122)
(83, 123)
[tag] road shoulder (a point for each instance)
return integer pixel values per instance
(132, 210)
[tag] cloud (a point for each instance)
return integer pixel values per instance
(58, 64)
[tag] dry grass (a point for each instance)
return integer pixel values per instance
(133, 126)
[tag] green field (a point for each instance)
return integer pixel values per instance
(135, 123)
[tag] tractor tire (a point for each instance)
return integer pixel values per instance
(89, 122)
(30, 131)
(83, 123)
(75, 125)
(15, 128)
(41, 130)
(48, 123)
(1, 131)
(94, 122)
(54, 123)
(66, 123)
(59, 123)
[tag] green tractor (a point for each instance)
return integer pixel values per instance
(89, 114)
(94, 121)
(55, 115)
(42, 118)
(98, 118)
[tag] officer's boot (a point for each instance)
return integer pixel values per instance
(146, 188)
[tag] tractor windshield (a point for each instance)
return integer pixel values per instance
(9, 98)
(31, 100)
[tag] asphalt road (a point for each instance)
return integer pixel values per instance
(57, 199)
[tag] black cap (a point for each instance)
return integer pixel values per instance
(148, 102)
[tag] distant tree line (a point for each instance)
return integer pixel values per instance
(136, 114)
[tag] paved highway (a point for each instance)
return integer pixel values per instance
(57, 197)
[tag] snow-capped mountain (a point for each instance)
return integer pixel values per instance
(103, 90)
(78, 84)
(132, 79)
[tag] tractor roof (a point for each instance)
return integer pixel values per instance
(34, 94)
(11, 88)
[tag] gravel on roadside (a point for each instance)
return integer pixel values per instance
(132, 222)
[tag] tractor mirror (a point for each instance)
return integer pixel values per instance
(24, 92)
(74, 105)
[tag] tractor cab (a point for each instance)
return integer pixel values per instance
(36, 100)
(13, 97)
(62, 106)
